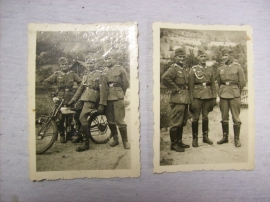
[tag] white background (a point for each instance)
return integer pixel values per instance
(182, 186)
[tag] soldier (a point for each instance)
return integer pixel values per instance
(64, 80)
(91, 94)
(117, 82)
(202, 91)
(176, 79)
(231, 81)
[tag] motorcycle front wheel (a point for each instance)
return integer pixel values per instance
(46, 134)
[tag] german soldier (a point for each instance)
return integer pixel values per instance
(64, 80)
(231, 81)
(90, 93)
(176, 79)
(117, 82)
(202, 91)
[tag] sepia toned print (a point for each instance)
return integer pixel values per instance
(203, 97)
(83, 88)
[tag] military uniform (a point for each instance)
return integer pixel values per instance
(231, 81)
(117, 82)
(63, 81)
(176, 80)
(203, 95)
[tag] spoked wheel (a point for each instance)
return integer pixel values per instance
(99, 132)
(46, 134)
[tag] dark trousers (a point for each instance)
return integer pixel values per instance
(178, 114)
(203, 106)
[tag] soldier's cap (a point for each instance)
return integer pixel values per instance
(179, 51)
(62, 60)
(201, 52)
(226, 50)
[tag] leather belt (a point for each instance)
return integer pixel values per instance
(93, 88)
(229, 83)
(111, 85)
(204, 84)
(183, 87)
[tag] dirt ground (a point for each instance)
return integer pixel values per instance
(207, 154)
(63, 157)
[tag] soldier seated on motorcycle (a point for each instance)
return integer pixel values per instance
(64, 80)
(91, 94)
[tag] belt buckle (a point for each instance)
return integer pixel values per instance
(227, 83)
(204, 84)
(111, 85)
(87, 88)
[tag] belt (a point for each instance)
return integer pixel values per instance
(65, 89)
(229, 83)
(111, 85)
(93, 88)
(204, 84)
(183, 87)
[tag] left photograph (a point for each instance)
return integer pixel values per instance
(82, 89)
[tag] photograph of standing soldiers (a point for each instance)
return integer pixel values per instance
(82, 99)
(202, 73)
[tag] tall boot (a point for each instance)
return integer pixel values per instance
(205, 132)
(61, 132)
(77, 136)
(114, 133)
(85, 144)
(174, 140)
(123, 132)
(195, 126)
(225, 129)
(236, 130)
(180, 135)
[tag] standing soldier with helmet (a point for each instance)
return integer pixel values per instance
(91, 93)
(231, 81)
(176, 80)
(117, 82)
(202, 91)
(64, 80)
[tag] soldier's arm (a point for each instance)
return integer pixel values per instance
(77, 79)
(125, 80)
(241, 76)
(168, 79)
(213, 85)
(218, 77)
(191, 84)
(78, 93)
(103, 89)
(49, 81)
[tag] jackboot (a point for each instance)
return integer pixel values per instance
(114, 133)
(236, 130)
(205, 132)
(77, 138)
(180, 135)
(62, 138)
(195, 126)
(174, 140)
(123, 132)
(225, 129)
(85, 144)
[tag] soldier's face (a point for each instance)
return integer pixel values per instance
(64, 66)
(180, 59)
(90, 64)
(226, 57)
(109, 61)
(202, 59)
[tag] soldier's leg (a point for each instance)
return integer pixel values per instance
(60, 126)
(206, 108)
(180, 128)
(235, 105)
(224, 108)
(197, 107)
(77, 136)
(109, 112)
(119, 115)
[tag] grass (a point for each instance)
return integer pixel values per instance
(43, 104)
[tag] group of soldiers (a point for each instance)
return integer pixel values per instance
(195, 90)
(101, 90)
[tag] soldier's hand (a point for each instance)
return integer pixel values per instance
(100, 109)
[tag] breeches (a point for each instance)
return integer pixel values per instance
(203, 106)
(233, 105)
(87, 108)
(115, 113)
(179, 115)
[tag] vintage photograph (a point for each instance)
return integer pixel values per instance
(83, 101)
(203, 97)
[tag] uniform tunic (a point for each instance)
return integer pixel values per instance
(176, 80)
(202, 91)
(117, 82)
(231, 81)
(91, 93)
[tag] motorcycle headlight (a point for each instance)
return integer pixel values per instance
(55, 99)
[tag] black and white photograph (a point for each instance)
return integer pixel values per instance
(83, 88)
(203, 97)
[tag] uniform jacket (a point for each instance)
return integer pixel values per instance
(202, 83)
(92, 88)
(116, 75)
(176, 80)
(230, 73)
